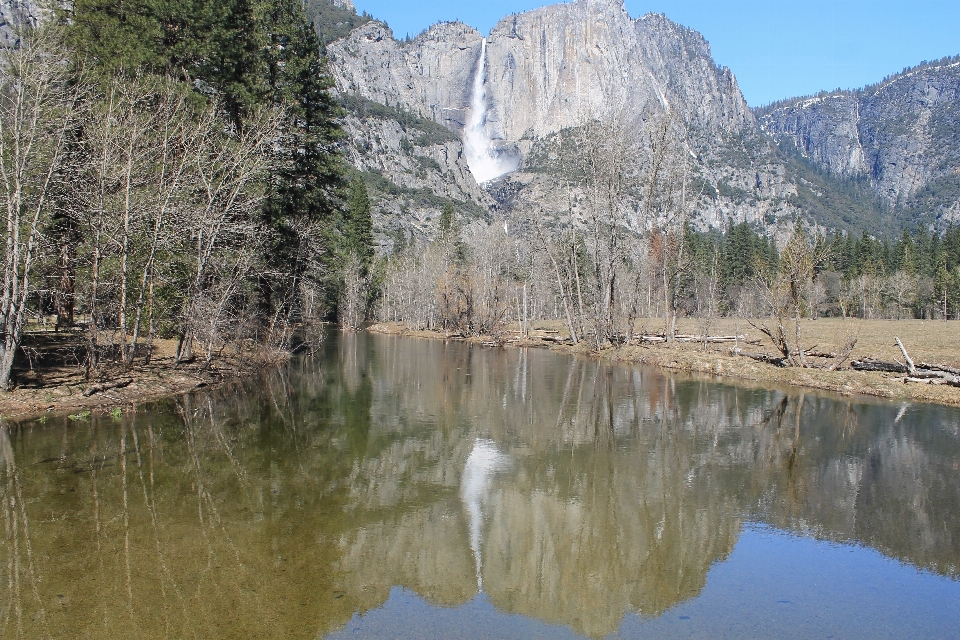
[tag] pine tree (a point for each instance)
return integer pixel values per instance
(358, 226)
(943, 286)
(248, 55)
(446, 219)
(116, 36)
(311, 183)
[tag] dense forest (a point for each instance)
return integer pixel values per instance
(171, 169)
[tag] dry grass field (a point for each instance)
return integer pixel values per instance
(925, 340)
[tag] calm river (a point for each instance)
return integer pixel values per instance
(402, 488)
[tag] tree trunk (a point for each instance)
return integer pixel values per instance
(65, 295)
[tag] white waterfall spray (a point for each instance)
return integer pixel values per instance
(482, 463)
(486, 162)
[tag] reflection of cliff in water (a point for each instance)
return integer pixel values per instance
(281, 507)
(626, 485)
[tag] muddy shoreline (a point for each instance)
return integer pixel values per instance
(689, 358)
(65, 390)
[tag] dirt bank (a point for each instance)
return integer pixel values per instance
(62, 386)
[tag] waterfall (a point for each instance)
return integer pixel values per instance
(483, 462)
(485, 160)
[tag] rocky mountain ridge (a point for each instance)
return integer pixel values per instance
(556, 68)
(873, 160)
(903, 135)
(876, 160)
(18, 13)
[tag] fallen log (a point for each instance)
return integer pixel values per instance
(106, 386)
(878, 365)
(930, 375)
(760, 357)
(938, 367)
(919, 374)
(919, 377)
(911, 369)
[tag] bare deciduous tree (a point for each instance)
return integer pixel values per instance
(786, 292)
(902, 287)
(37, 110)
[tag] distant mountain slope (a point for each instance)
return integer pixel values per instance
(19, 13)
(551, 70)
(902, 135)
(874, 160)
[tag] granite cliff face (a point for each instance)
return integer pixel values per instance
(415, 171)
(18, 13)
(902, 134)
(547, 70)
(430, 76)
(555, 67)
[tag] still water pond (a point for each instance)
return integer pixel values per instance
(394, 487)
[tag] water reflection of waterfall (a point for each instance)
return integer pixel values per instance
(482, 463)
(486, 162)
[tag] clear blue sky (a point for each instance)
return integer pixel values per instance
(776, 48)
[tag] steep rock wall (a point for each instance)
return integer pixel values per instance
(902, 133)
(558, 66)
(429, 76)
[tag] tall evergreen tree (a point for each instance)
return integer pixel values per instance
(358, 226)
(248, 54)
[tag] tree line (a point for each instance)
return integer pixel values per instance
(629, 262)
(170, 169)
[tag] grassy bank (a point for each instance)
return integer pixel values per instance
(927, 341)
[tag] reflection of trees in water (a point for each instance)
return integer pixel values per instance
(218, 518)
(21, 578)
(845, 471)
(280, 507)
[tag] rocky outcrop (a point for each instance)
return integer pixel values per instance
(413, 174)
(558, 66)
(547, 70)
(901, 134)
(19, 13)
(555, 68)
(429, 76)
